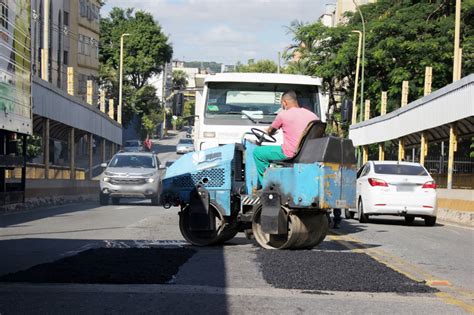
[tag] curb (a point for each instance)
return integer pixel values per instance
(464, 218)
(35, 203)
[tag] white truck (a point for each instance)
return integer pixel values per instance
(230, 104)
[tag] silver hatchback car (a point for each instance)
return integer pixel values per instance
(131, 175)
(185, 146)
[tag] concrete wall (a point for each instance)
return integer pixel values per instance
(456, 206)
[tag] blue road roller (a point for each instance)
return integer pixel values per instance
(218, 193)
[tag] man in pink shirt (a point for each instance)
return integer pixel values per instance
(293, 120)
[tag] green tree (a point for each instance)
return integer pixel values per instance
(188, 108)
(402, 38)
(261, 66)
(146, 51)
(180, 79)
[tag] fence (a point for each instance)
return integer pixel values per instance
(37, 171)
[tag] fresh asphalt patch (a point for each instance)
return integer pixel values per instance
(109, 266)
(333, 271)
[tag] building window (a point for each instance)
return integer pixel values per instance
(66, 58)
(87, 46)
(80, 45)
(4, 14)
(66, 18)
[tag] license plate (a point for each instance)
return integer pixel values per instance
(405, 188)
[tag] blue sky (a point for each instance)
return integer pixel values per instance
(226, 30)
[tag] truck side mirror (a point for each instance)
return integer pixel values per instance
(346, 111)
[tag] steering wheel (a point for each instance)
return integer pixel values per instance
(262, 136)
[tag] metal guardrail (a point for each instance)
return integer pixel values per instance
(440, 166)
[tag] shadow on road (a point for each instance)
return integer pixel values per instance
(72, 261)
(392, 221)
(41, 213)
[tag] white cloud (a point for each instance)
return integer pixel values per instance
(226, 30)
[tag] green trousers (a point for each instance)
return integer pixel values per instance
(263, 155)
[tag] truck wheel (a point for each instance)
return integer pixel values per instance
(348, 214)
(103, 199)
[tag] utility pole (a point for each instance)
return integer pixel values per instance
(119, 108)
(45, 50)
(279, 57)
(457, 31)
(163, 100)
(356, 83)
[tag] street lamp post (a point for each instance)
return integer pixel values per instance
(362, 76)
(119, 108)
(363, 62)
(356, 83)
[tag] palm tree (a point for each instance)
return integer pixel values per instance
(180, 79)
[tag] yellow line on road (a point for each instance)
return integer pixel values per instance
(449, 299)
(410, 270)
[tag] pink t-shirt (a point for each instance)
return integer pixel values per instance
(293, 122)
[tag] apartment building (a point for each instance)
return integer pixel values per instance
(67, 33)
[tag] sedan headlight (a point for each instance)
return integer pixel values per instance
(150, 180)
(106, 179)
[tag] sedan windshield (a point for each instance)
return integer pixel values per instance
(132, 143)
(139, 161)
(400, 169)
(186, 141)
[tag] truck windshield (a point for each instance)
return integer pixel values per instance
(254, 102)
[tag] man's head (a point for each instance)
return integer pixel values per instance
(289, 100)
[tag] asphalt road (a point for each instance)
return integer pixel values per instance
(380, 267)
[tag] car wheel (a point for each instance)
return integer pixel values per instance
(409, 219)
(155, 201)
(115, 200)
(103, 199)
(430, 221)
(348, 214)
(363, 218)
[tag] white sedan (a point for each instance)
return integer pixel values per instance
(395, 188)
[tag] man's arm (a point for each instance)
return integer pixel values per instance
(276, 124)
(271, 131)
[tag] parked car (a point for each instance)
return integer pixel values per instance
(185, 146)
(395, 188)
(133, 146)
(131, 175)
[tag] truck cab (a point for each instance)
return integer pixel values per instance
(230, 104)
